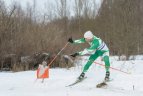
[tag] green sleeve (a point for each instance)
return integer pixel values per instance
(91, 49)
(94, 45)
(82, 40)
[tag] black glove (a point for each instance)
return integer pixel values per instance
(74, 55)
(70, 40)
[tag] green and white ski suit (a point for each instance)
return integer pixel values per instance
(97, 48)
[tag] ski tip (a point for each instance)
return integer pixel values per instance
(76, 82)
(69, 85)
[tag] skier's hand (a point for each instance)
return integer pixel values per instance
(74, 55)
(70, 40)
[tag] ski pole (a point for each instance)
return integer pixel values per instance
(58, 54)
(113, 68)
(110, 67)
(56, 57)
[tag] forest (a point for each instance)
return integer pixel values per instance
(27, 32)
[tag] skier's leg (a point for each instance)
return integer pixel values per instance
(88, 64)
(107, 65)
(90, 61)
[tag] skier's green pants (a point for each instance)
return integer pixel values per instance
(93, 57)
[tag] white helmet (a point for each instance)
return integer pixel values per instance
(88, 34)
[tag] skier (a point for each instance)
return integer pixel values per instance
(97, 48)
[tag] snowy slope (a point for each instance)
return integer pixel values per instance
(25, 83)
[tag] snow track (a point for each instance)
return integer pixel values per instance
(25, 83)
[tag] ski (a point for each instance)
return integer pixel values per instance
(76, 82)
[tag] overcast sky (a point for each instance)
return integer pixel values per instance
(42, 3)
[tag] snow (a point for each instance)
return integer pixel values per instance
(26, 84)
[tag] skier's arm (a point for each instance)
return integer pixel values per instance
(91, 49)
(82, 40)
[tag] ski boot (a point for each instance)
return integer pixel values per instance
(81, 76)
(79, 79)
(106, 79)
